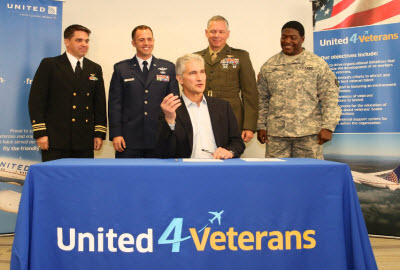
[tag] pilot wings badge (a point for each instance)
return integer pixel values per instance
(93, 77)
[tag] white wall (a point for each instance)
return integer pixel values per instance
(178, 28)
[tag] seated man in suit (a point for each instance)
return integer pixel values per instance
(204, 127)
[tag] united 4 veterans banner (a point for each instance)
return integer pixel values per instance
(30, 31)
(359, 39)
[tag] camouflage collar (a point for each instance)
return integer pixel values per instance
(299, 60)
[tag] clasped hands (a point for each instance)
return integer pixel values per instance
(325, 135)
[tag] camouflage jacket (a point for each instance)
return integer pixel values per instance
(299, 98)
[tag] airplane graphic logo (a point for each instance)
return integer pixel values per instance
(216, 215)
(174, 229)
(383, 179)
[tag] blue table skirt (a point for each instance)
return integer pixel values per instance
(155, 214)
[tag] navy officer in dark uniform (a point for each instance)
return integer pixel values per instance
(67, 104)
(137, 88)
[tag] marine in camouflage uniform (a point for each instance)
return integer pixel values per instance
(298, 100)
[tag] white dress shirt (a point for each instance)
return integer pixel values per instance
(203, 135)
(73, 61)
(140, 60)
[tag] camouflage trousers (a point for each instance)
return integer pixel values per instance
(293, 147)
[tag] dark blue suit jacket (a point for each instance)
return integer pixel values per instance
(134, 103)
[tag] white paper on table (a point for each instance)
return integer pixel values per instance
(201, 160)
(262, 159)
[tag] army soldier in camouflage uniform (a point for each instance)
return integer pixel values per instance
(298, 96)
(230, 76)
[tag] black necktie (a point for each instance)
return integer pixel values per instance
(145, 69)
(78, 69)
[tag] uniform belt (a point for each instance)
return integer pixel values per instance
(224, 94)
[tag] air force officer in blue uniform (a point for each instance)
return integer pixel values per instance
(137, 88)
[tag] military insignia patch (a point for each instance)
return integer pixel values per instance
(225, 63)
(163, 78)
(230, 61)
(234, 62)
(93, 77)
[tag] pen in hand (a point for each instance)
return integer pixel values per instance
(207, 151)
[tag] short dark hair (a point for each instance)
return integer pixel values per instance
(70, 30)
(141, 27)
(295, 25)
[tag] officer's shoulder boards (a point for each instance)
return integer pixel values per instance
(238, 50)
(202, 52)
(165, 61)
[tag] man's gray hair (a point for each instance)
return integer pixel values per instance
(181, 62)
(218, 18)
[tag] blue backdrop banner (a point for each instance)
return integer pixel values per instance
(30, 31)
(366, 66)
(360, 42)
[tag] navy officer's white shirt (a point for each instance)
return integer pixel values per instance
(203, 134)
(73, 61)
